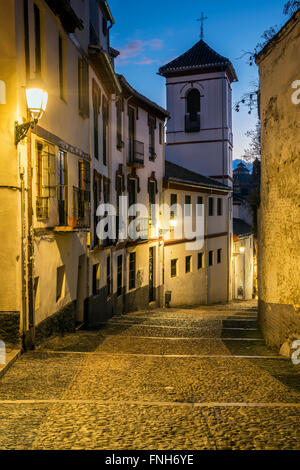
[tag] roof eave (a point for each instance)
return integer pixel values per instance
(198, 185)
(103, 64)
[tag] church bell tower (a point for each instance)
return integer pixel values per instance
(199, 99)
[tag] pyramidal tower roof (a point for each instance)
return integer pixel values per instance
(200, 58)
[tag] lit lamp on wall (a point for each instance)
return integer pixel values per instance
(242, 250)
(36, 98)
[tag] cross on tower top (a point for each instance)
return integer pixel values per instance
(202, 19)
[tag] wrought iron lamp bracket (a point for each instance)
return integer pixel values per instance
(21, 130)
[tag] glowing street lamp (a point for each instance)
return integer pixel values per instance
(36, 97)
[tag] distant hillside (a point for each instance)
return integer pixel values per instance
(239, 160)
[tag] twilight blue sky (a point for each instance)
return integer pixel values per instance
(151, 33)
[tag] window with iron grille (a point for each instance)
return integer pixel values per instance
(45, 178)
(81, 195)
(132, 270)
(188, 264)
(174, 267)
(83, 87)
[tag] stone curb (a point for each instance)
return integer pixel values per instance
(11, 357)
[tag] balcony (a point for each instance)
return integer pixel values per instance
(81, 209)
(192, 123)
(135, 153)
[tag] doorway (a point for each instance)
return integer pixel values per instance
(151, 274)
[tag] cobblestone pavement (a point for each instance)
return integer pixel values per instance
(166, 379)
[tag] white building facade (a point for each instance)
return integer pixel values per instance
(200, 141)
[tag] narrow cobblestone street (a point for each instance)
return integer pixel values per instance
(169, 379)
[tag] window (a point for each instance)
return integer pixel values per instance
(152, 126)
(37, 37)
(62, 196)
(119, 191)
(119, 107)
(210, 258)
(83, 87)
(173, 203)
(81, 199)
(152, 197)
(97, 199)
(192, 118)
(60, 282)
(187, 206)
(104, 129)
(219, 255)
(174, 267)
(200, 260)
(120, 275)
(96, 278)
(132, 268)
(45, 178)
(96, 110)
(199, 203)
(106, 190)
(220, 206)
(193, 103)
(188, 264)
(161, 133)
(132, 192)
(61, 67)
(210, 206)
(108, 276)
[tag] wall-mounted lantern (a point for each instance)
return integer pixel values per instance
(242, 250)
(36, 97)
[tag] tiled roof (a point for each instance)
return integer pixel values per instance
(200, 56)
(180, 174)
(241, 228)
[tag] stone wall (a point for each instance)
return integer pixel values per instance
(279, 215)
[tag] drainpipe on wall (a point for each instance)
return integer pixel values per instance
(23, 257)
(30, 341)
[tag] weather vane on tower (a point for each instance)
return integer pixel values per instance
(202, 19)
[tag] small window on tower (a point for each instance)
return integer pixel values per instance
(192, 118)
